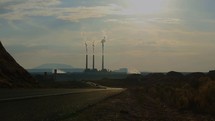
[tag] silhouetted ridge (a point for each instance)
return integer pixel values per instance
(195, 75)
(174, 74)
(11, 73)
(211, 74)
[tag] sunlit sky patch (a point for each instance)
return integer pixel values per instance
(146, 35)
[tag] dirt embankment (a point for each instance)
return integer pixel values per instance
(157, 97)
(12, 75)
(134, 105)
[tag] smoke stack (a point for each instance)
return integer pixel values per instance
(86, 62)
(93, 56)
(103, 41)
(86, 56)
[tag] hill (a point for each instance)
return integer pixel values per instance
(49, 68)
(54, 66)
(11, 73)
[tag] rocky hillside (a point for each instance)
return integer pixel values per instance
(12, 75)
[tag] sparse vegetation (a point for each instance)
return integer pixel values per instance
(196, 93)
(193, 93)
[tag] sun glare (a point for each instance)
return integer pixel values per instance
(144, 6)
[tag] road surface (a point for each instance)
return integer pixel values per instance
(48, 104)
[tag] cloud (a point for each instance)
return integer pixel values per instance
(147, 40)
(20, 11)
(32, 4)
(125, 21)
(75, 14)
(141, 20)
(6, 1)
(165, 20)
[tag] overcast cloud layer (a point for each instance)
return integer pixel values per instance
(155, 35)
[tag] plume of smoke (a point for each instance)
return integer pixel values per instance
(93, 44)
(133, 71)
(86, 47)
(83, 35)
(104, 34)
(103, 40)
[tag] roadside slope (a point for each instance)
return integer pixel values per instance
(11, 73)
(133, 105)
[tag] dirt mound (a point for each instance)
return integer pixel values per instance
(11, 73)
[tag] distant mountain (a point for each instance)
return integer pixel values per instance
(11, 73)
(49, 68)
(54, 66)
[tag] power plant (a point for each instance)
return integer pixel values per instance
(93, 59)
(85, 73)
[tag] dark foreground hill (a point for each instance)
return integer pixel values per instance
(193, 92)
(11, 73)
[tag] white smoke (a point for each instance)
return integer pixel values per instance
(103, 40)
(104, 34)
(93, 44)
(58, 71)
(86, 47)
(133, 71)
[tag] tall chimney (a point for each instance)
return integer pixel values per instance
(103, 41)
(86, 56)
(93, 56)
(86, 62)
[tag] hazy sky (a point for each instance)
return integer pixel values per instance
(147, 35)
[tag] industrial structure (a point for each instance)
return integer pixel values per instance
(93, 55)
(103, 41)
(93, 59)
(86, 57)
(84, 73)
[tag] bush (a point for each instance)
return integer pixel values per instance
(206, 97)
(195, 92)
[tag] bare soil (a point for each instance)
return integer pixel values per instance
(134, 105)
